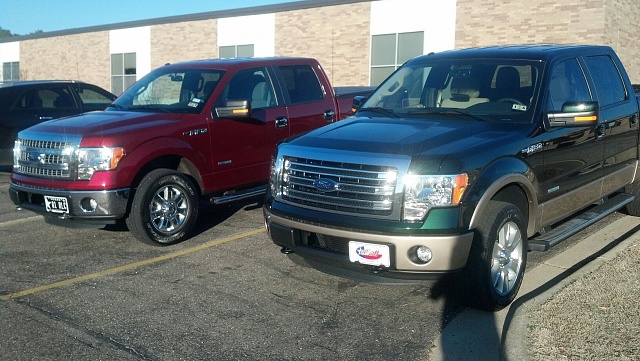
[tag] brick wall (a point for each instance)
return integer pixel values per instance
(599, 22)
(338, 36)
(78, 57)
(172, 43)
(622, 33)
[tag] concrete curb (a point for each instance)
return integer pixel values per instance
(479, 335)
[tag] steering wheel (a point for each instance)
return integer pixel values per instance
(512, 100)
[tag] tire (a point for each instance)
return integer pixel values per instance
(633, 208)
(497, 259)
(164, 209)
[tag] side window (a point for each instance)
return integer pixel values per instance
(46, 98)
(92, 99)
(253, 85)
(567, 83)
(302, 84)
(608, 83)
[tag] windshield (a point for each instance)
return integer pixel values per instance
(487, 89)
(170, 90)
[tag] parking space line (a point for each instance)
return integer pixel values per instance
(127, 266)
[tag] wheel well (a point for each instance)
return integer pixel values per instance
(515, 195)
(174, 162)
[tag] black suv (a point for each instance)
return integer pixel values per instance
(25, 103)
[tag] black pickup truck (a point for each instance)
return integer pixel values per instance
(463, 161)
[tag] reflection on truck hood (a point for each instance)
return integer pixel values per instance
(409, 136)
(104, 123)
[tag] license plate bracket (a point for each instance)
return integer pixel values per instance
(56, 204)
(369, 253)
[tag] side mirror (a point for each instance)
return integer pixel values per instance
(575, 114)
(358, 100)
(234, 109)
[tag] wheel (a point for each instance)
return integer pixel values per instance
(164, 209)
(498, 257)
(633, 208)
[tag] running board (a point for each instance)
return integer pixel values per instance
(236, 196)
(549, 239)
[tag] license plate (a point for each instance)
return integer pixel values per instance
(370, 254)
(56, 204)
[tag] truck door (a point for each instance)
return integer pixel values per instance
(573, 155)
(242, 147)
(309, 105)
(618, 121)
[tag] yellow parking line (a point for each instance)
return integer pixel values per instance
(127, 266)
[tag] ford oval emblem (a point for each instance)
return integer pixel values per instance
(325, 185)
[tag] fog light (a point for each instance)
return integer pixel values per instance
(88, 204)
(424, 254)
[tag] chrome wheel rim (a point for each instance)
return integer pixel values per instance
(169, 209)
(506, 260)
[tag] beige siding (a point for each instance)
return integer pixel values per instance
(338, 36)
(172, 43)
(79, 57)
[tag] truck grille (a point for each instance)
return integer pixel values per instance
(45, 158)
(341, 187)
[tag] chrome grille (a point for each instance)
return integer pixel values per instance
(45, 158)
(341, 187)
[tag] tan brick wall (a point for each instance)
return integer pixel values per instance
(338, 36)
(622, 33)
(79, 57)
(600, 22)
(172, 43)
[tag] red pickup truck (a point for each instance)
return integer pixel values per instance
(184, 132)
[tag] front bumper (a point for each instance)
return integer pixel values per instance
(111, 204)
(450, 252)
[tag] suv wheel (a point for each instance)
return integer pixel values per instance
(164, 208)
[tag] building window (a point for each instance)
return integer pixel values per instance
(389, 51)
(11, 71)
(123, 72)
(236, 51)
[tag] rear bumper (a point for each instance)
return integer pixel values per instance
(450, 252)
(111, 205)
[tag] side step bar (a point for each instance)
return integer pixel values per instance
(236, 196)
(549, 239)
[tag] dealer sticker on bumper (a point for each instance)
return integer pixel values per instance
(368, 253)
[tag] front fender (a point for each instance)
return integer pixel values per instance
(495, 177)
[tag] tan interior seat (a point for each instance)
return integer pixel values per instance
(464, 92)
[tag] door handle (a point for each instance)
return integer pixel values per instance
(282, 122)
(45, 118)
(329, 115)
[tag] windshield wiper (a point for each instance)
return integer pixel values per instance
(456, 112)
(149, 107)
(380, 110)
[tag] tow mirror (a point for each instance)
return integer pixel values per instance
(234, 109)
(575, 114)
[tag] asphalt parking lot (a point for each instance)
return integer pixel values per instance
(226, 294)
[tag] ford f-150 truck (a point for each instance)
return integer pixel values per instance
(185, 131)
(463, 160)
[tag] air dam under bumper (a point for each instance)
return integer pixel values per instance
(110, 205)
(449, 252)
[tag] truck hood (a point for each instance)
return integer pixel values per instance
(426, 141)
(104, 123)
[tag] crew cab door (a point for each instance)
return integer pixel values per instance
(618, 123)
(309, 104)
(243, 145)
(573, 155)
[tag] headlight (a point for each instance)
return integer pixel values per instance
(91, 160)
(422, 192)
(275, 179)
(16, 153)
